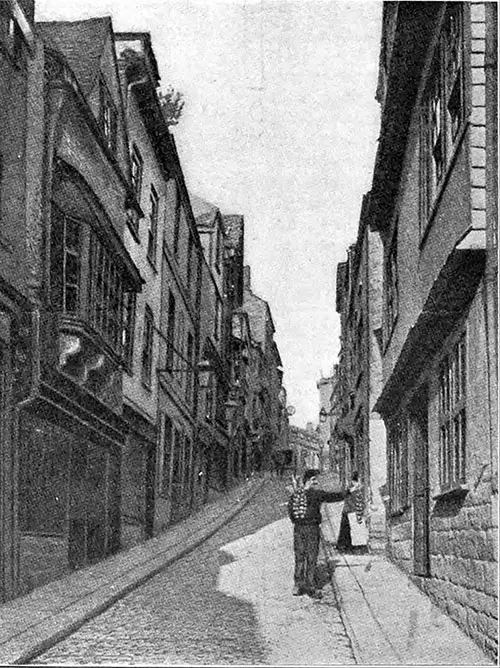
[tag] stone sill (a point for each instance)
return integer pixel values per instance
(453, 490)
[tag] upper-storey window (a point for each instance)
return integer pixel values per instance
(136, 165)
(108, 117)
(106, 294)
(154, 203)
(128, 328)
(86, 281)
(452, 417)
(169, 361)
(147, 347)
(391, 288)
(443, 109)
(11, 35)
(66, 265)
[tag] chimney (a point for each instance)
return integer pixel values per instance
(246, 278)
(310, 427)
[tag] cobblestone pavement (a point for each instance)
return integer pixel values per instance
(229, 602)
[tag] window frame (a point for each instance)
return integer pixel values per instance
(147, 348)
(171, 330)
(136, 170)
(391, 285)
(452, 417)
(441, 139)
(397, 438)
(108, 115)
(154, 213)
(128, 335)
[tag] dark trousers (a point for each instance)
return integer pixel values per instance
(306, 548)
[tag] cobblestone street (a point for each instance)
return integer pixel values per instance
(228, 602)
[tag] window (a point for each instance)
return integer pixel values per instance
(169, 362)
(443, 109)
(398, 466)
(136, 165)
(106, 294)
(190, 370)
(147, 347)
(391, 285)
(107, 115)
(71, 248)
(167, 455)
(128, 328)
(452, 417)
(11, 34)
(154, 203)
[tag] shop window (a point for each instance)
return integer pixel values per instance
(108, 117)
(154, 202)
(398, 466)
(443, 109)
(147, 347)
(452, 417)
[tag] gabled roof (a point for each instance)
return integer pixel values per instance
(82, 44)
(201, 207)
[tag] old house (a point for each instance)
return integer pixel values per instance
(434, 202)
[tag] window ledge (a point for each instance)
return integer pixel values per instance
(451, 490)
(399, 511)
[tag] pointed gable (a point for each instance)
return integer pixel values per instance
(82, 43)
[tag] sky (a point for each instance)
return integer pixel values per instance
(280, 124)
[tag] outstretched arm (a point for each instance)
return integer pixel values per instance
(331, 497)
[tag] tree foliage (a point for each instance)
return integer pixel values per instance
(172, 104)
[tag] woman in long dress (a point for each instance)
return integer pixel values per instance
(353, 503)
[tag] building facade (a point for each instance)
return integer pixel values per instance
(359, 431)
(434, 203)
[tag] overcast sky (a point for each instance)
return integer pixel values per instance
(280, 125)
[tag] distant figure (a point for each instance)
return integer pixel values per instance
(353, 514)
(304, 509)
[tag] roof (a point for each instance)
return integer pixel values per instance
(82, 44)
(200, 206)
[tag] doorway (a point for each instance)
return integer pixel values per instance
(419, 435)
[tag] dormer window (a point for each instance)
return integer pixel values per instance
(108, 118)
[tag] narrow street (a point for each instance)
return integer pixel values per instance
(228, 602)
